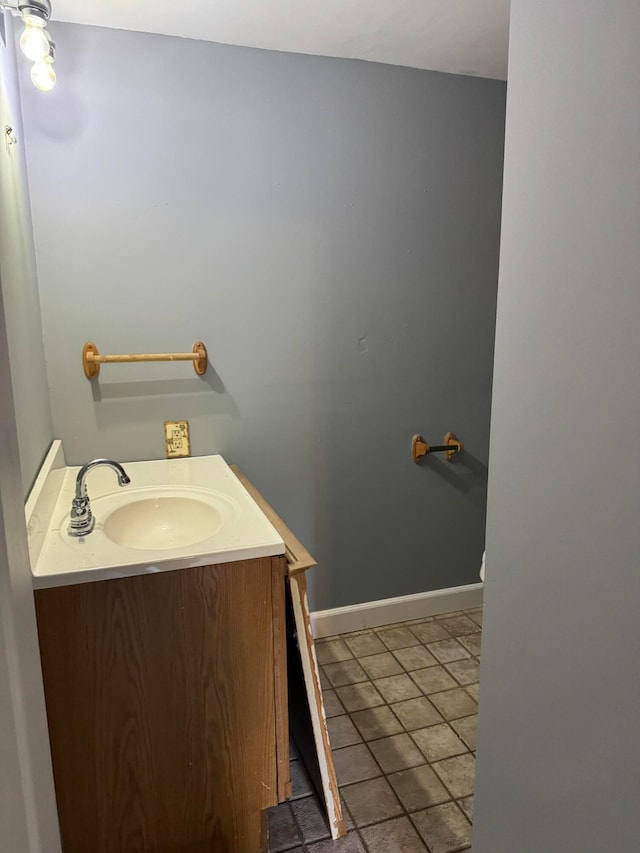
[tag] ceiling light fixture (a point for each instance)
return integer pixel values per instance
(43, 75)
(35, 41)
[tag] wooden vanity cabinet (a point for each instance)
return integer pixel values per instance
(167, 705)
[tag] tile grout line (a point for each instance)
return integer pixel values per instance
(405, 811)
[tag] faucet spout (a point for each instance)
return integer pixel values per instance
(81, 484)
(82, 521)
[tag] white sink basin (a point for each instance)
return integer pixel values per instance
(161, 519)
(155, 524)
(177, 513)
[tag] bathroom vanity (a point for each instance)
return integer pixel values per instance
(167, 707)
(165, 671)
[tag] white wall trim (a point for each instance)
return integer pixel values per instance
(372, 614)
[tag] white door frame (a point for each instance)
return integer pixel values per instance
(28, 816)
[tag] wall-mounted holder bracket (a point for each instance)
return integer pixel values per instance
(91, 358)
(450, 448)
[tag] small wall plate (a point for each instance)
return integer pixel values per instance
(176, 439)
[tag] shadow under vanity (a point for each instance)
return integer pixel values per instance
(166, 679)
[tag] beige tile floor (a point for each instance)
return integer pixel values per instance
(401, 703)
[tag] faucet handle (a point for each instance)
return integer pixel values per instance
(81, 520)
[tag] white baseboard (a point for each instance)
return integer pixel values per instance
(372, 614)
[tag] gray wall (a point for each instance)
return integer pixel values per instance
(560, 697)
(330, 229)
(28, 819)
(19, 283)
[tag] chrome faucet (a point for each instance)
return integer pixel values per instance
(82, 520)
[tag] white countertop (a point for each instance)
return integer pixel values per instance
(58, 559)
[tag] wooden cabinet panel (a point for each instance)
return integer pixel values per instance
(162, 708)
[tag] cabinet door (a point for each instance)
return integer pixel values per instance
(160, 700)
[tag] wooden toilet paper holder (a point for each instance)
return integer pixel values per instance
(452, 445)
